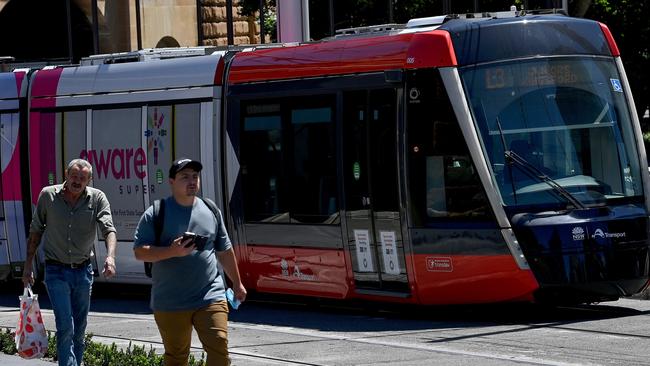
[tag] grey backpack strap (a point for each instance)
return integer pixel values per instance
(213, 207)
(158, 222)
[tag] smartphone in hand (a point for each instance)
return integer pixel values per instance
(188, 235)
(199, 241)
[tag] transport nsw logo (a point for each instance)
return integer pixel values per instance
(439, 264)
(579, 233)
(599, 233)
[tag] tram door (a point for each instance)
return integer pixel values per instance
(371, 191)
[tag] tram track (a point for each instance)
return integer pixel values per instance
(197, 350)
(443, 344)
(394, 315)
(127, 341)
(440, 345)
(474, 338)
(239, 352)
(437, 346)
(243, 354)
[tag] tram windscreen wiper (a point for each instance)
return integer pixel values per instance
(534, 172)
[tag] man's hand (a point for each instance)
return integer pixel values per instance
(32, 244)
(178, 248)
(28, 276)
(240, 292)
(152, 253)
(109, 267)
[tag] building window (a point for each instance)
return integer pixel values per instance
(169, 23)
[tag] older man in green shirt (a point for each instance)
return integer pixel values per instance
(67, 217)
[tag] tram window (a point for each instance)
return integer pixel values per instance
(261, 167)
(384, 184)
(173, 131)
(119, 164)
(8, 144)
(159, 149)
(45, 172)
(67, 131)
(4, 119)
(288, 160)
(9, 123)
(443, 182)
(187, 130)
(313, 184)
(72, 125)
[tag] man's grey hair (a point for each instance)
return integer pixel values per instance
(81, 163)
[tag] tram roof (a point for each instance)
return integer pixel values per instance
(444, 42)
(449, 42)
(345, 56)
(162, 74)
(485, 40)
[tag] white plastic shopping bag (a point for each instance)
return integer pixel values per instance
(31, 337)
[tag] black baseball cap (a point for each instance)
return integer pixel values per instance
(183, 163)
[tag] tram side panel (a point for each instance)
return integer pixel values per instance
(582, 222)
(450, 249)
(284, 199)
(312, 210)
(12, 221)
(300, 240)
(129, 139)
(459, 252)
(472, 234)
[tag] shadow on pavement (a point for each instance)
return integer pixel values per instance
(341, 316)
(106, 297)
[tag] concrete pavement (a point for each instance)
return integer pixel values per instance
(15, 360)
(266, 333)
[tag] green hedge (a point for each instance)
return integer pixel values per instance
(99, 354)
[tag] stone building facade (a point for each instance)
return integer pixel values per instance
(215, 27)
(117, 26)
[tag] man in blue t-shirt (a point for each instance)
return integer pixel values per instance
(187, 288)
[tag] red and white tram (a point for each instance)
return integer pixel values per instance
(451, 160)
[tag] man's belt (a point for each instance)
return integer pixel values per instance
(52, 262)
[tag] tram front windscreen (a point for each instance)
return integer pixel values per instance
(555, 131)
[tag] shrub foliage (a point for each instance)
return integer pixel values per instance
(99, 354)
